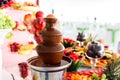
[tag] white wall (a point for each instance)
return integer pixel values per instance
(81, 10)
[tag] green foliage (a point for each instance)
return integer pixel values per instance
(112, 70)
(74, 66)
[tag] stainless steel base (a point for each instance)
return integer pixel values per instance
(49, 73)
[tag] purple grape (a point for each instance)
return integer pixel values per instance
(94, 50)
(80, 37)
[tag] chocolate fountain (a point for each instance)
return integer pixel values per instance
(50, 64)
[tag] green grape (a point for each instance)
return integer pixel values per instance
(6, 21)
(94, 77)
(103, 77)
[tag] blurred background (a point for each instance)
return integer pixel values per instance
(96, 17)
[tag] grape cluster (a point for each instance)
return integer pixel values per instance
(4, 2)
(6, 21)
(81, 37)
(23, 69)
(94, 50)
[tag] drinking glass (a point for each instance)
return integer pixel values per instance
(94, 51)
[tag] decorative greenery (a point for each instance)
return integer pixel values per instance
(112, 69)
(90, 39)
(74, 66)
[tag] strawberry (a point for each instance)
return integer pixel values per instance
(37, 39)
(39, 14)
(31, 42)
(39, 23)
(23, 69)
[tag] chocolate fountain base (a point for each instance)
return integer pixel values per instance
(48, 72)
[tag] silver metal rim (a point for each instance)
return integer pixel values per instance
(52, 69)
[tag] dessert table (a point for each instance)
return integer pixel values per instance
(10, 60)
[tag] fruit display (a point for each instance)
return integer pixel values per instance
(79, 50)
(14, 47)
(20, 48)
(112, 70)
(28, 19)
(81, 37)
(26, 49)
(35, 24)
(23, 68)
(68, 42)
(94, 50)
(29, 3)
(77, 61)
(6, 22)
(26, 6)
(107, 66)
(16, 5)
(6, 3)
(90, 74)
(108, 53)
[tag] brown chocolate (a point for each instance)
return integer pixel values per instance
(50, 50)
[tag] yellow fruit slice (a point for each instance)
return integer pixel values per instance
(22, 52)
(26, 49)
(9, 35)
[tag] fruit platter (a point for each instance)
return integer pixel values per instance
(81, 68)
(77, 50)
(101, 62)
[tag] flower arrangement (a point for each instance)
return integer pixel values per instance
(35, 24)
(67, 42)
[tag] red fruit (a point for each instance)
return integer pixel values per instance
(24, 74)
(23, 69)
(16, 25)
(39, 23)
(39, 14)
(31, 42)
(38, 39)
(14, 47)
(23, 64)
(28, 19)
(87, 73)
(31, 29)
